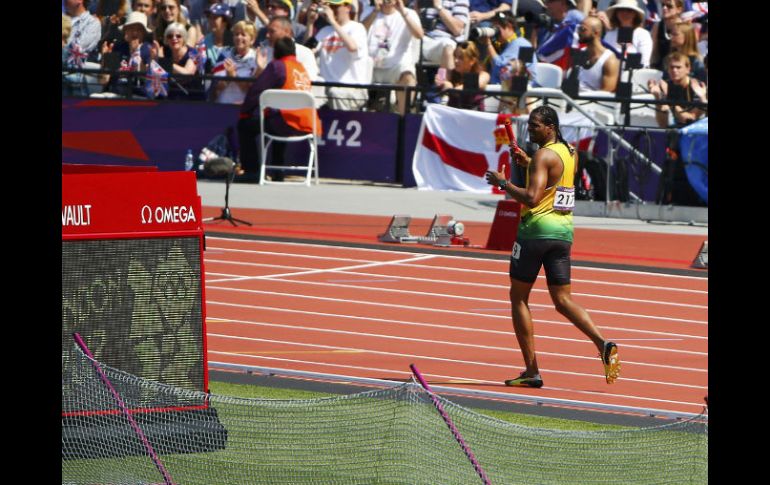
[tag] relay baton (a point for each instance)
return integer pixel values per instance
(509, 130)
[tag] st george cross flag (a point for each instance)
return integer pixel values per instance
(157, 81)
(456, 147)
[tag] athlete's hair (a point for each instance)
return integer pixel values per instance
(548, 116)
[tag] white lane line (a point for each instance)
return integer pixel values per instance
(441, 359)
(326, 270)
(470, 380)
(498, 274)
(471, 329)
(476, 285)
(432, 267)
(305, 328)
(488, 300)
(447, 256)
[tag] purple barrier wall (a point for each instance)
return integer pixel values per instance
(642, 180)
(355, 145)
(411, 131)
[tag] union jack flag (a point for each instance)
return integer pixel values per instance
(76, 55)
(198, 55)
(220, 65)
(156, 83)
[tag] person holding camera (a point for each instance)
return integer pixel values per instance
(503, 46)
(392, 30)
(343, 55)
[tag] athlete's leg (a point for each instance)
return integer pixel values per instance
(522, 324)
(561, 295)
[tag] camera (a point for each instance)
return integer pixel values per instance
(538, 19)
(478, 32)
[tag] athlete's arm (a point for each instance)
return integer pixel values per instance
(538, 179)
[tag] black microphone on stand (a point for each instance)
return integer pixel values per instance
(223, 167)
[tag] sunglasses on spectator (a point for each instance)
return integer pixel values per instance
(667, 5)
(167, 7)
(174, 36)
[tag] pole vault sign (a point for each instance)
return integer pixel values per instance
(103, 203)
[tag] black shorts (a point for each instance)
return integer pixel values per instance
(529, 254)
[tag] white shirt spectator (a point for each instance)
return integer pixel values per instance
(390, 40)
(336, 62)
(591, 79)
(304, 56)
(86, 32)
(641, 42)
(244, 67)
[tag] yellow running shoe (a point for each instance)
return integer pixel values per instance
(611, 362)
(525, 381)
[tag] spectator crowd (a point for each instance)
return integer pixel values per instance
(453, 48)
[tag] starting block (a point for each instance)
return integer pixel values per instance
(397, 230)
(701, 260)
(444, 231)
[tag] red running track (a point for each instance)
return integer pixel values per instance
(371, 312)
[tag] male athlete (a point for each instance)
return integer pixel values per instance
(545, 239)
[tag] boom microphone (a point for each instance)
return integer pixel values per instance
(219, 166)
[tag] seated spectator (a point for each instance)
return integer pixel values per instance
(683, 41)
(343, 56)
(170, 11)
(220, 36)
(237, 61)
(278, 28)
(86, 29)
(66, 29)
(511, 104)
(680, 87)
(602, 68)
(507, 43)
(111, 14)
(467, 68)
(283, 72)
(392, 30)
(132, 53)
(175, 48)
(555, 41)
(281, 8)
(147, 7)
(481, 12)
(661, 31)
(448, 18)
(626, 13)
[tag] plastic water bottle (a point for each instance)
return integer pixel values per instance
(188, 160)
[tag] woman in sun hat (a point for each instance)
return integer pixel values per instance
(627, 13)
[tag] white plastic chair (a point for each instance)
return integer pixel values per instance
(548, 75)
(492, 103)
(547, 78)
(288, 100)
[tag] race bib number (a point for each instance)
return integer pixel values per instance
(564, 200)
(516, 252)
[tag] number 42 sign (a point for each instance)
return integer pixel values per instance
(350, 136)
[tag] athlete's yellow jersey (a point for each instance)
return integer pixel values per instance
(552, 217)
